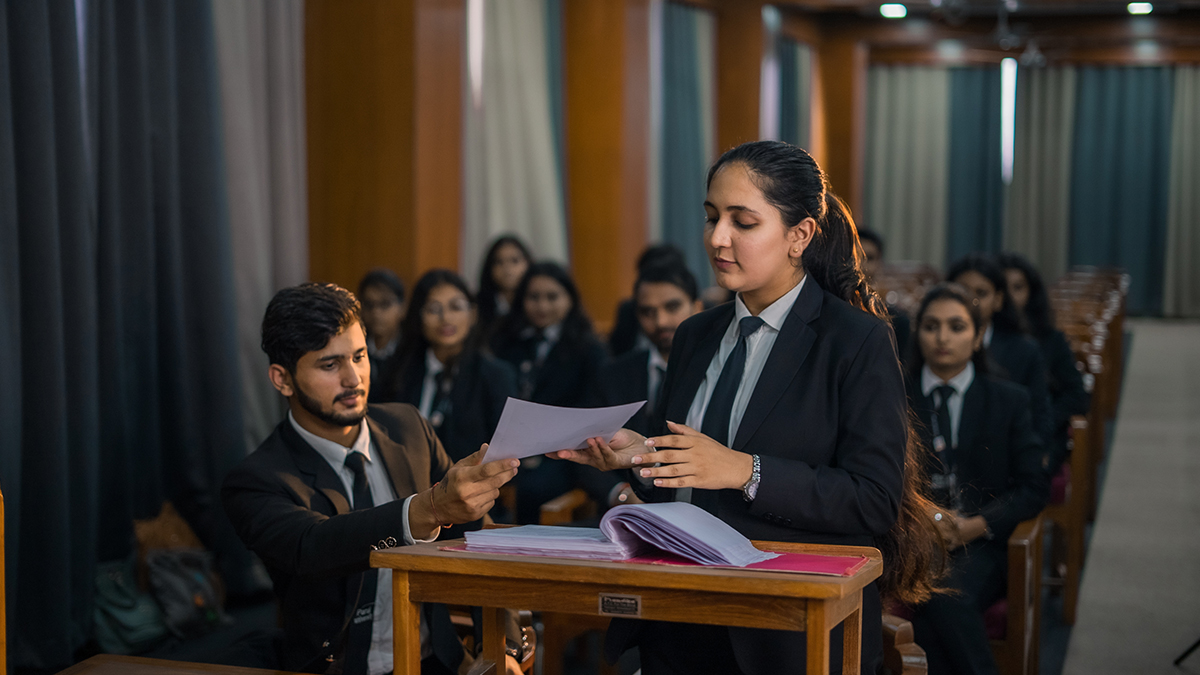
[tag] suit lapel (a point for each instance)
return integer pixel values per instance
(692, 373)
(315, 469)
(395, 458)
(791, 348)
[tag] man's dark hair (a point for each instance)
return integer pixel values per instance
(383, 278)
(660, 254)
(676, 274)
(303, 319)
(872, 236)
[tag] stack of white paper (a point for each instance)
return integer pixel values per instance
(675, 527)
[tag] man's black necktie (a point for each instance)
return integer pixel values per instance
(360, 586)
(720, 406)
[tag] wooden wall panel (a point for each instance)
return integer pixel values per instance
(740, 43)
(842, 64)
(607, 128)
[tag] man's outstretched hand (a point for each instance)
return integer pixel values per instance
(467, 492)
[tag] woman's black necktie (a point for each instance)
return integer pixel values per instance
(720, 406)
(362, 585)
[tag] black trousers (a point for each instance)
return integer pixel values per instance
(950, 626)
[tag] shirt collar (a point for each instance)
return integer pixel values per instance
(656, 360)
(960, 382)
(549, 333)
(335, 453)
(775, 313)
(432, 365)
(987, 334)
(384, 352)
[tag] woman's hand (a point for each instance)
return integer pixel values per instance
(694, 460)
(947, 525)
(607, 455)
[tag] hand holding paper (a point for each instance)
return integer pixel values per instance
(527, 429)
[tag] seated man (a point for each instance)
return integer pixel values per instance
(334, 481)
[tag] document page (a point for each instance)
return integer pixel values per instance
(527, 429)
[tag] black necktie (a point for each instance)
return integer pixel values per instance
(360, 586)
(720, 405)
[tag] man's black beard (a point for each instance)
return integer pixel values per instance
(313, 406)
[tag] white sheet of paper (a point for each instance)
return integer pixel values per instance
(527, 429)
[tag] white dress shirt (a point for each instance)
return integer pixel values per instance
(433, 368)
(379, 660)
(960, 382)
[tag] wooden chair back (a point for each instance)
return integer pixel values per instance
(1070, 517)
(901, 655)
(1017, 653)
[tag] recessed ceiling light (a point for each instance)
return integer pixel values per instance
(893, 11)
(1139, 8)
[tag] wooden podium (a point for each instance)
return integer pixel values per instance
(798, 602)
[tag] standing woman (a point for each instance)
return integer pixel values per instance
(443, 372)
(503, 268)
(1027, 293)
(794, 419)
(549, 339)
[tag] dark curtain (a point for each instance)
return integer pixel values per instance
(118, 307)
(975, 188)
(1119, 175)
(789, 95)
(684, 165)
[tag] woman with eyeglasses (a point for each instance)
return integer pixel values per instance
(443, 372)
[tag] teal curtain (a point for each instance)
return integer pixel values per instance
(795, 94)
(683, 148)
(1120, 176)
(975, 191)
(554, 82)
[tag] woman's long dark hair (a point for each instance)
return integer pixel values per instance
(945, 291)
(487, 284)
(575, 327)
(791, 181)
(1006, 317)
(1038, 315)
(413, 342)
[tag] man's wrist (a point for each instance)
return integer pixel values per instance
(421, 521)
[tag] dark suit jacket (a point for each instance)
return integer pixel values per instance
(481, 387)
(828, 419)
(1067, 393)
(998, 458)
(568, 374)
(626, 379)
(625, 329)
(1020, 361)
(289, 507)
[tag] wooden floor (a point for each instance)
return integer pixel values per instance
(1140, 602)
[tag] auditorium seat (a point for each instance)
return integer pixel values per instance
(901, 655)
(1068, 510)
(1014, 623)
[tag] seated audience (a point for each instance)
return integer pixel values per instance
(985, 470)
(872, 245)
(335, 480)
(442, 370)
(1014, 355)
(625, 336)
(1068, 397)
(382, 296)
(549, 339)
(503, 268)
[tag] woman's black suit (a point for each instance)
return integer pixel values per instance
(1000, 473)
(828, 418)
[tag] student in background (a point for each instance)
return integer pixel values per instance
(503, 268)
(985, 471)
(382, 296)
(549, 339)
(1015, 354)
(625, 336)
(796, 417)
(457, 387)
(1068, 397)
(664, 296)
(872, 245)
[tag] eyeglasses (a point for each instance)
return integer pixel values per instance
(436, 309)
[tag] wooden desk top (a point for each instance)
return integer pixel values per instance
(112, 664)
(429, 558)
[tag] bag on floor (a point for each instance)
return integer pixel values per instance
(187, 590)
(126, 620)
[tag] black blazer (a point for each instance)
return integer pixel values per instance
(481, 387)
(1020, 361)
(568, 374)
(290, 508)
(626, 379)
(828, 419)
(1063, 379)
(998, 458)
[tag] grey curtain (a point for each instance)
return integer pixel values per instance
(908, 138)
(795, 92)
(685, 143)
(1181, 283)
(260, 57)
(1037, 213)
(1120, 175)
(118, 305)
(975, 205)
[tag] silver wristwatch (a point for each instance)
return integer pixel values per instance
(750, 489)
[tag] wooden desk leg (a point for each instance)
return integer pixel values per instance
(493, 638)
(817, 629)
(852, 640)
(406, 628)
